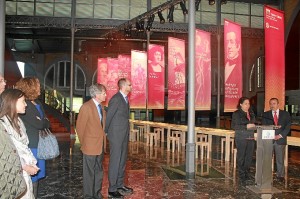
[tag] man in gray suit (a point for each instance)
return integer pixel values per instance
(117, 130)
(282, 119)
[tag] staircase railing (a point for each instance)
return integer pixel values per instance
(57, 101)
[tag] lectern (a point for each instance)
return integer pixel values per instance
(264, 153)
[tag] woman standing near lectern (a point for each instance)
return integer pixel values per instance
(243, 121)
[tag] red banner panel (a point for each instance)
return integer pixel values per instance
(156, 76)
(112, 78)
(102, 71)
(233, 65)
(176, 74)
(274, 52)
(124, 66)
(203, 71)
(138, 79)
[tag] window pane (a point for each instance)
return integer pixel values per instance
(63, 1)
(197, 17)
(25, 8)
(228, 7)
(209, 18)
(68, 72)
(257, 22)
(139, 3)
(106, 2)
(62, 10)
(242, 20)
(84, 2)
(79, 78)
(257, 9)
(61, 75)
(242, 8)
(11, 8)
(50, 78)
(44, 9)
(206, 7)
(120, 12)
(102, 11)
(178, 16)
(121, 2)
(84, 11)
(137, 11)
(46, 1)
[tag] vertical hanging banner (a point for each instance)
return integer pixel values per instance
(112, 78)
(233, 65)
(156, 76)
(138, 79)
(102, 71)
(176, 74)
(203, 71)
(274, 52)
(124, 66)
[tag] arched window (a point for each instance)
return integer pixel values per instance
(58, 76)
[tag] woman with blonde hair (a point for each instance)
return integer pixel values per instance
(12, 104)
(35, 120)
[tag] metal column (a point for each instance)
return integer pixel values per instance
(190, 146)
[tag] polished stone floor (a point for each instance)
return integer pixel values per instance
(155, 173)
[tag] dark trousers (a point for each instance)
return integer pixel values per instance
(92, 175)
(117, 163)
(245, 148)
(279, 151)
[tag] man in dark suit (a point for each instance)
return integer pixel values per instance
(90, 130)
(282, 120)
(117, 130)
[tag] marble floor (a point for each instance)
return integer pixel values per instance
(155, 173)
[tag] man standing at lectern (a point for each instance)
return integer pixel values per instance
(282, 119)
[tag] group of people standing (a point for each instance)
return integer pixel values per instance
(243, 122)
(93, 125)
(21, 118)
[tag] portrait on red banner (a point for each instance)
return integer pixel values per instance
(233, 75)
(203, 71)
(102, 71)
(176, 74)
(156, 77)
(233, 58)
(124, 66)
(138, 79)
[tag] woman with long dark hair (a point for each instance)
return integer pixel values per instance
(12, 104)
(243, 121)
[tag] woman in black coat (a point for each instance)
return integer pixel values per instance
(243, 121)
(34, 120)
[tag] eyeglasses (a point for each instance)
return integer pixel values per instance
(3, 80)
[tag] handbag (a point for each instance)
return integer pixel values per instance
(47, 145)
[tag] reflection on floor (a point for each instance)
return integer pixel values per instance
(155, 173)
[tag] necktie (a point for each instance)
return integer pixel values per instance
(248, 116)
(126, 99)
(100, 111)
(275, 118)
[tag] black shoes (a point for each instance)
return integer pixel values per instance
(115, 194)
(125, 190)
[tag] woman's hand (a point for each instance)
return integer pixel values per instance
(30, 169)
